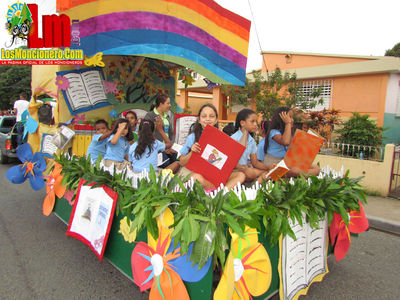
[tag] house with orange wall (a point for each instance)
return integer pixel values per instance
(349, 83)
(365, 84)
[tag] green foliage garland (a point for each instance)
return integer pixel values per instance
(204, 220)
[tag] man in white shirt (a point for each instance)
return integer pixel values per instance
(19, 107)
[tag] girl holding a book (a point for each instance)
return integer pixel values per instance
(278, 135)
(118, 145)
(144, 152)
(208, 115)
(245, 125)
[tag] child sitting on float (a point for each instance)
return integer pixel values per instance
(208, 115)
(144, 152)
(133, 122)
(98, 146)
(118, 145)
(278, 136)
(246, 123)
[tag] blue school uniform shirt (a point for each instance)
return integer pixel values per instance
(190, 140)
(97, 147)
(250, 149)
(118, 151)
(274, 148)
(147, 158)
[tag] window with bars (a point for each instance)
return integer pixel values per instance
(325, 87)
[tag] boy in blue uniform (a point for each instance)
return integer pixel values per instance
(99, 141)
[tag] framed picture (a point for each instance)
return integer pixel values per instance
(218, 157)
(92, 216)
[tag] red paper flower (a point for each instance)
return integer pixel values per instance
(341, 233)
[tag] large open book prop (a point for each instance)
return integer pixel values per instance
(85, 91)
(218, 156)
(303, 149)
(304, 260)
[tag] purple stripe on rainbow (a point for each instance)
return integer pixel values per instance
(154, 21)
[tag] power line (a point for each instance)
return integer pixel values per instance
(258, 38)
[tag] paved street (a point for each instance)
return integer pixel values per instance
(38, 261)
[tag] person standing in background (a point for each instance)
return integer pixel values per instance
(19, 107)
(160, 109)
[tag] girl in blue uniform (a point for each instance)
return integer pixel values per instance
(278, 136)
(144, 152)
(208, 115)
(131, 116)
(99, 141)
(246, 123)
(118, 145)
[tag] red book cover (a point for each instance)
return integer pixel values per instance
(303, 149)
(218, 157)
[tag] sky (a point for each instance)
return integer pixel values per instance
(354, 27)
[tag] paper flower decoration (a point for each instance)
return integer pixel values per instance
(125, 229)
(79, 119)
(158, 266)
(32, 167)
(247, 270)
(62, 82)
(341, 233)
(110, 87)
(113, 114)
(30, 124)
(68, 195)
(54, 187)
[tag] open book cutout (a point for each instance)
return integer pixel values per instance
(303, 149)
(85, 91)
(304, 260)
(47, 147)
(278, 172)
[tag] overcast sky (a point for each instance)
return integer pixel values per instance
(357, 27)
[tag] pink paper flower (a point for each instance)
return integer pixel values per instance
(62, 82)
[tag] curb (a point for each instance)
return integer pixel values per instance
(384, 225)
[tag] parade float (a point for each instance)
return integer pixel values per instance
(168, 234)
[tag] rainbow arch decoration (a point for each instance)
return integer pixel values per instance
(198, 34)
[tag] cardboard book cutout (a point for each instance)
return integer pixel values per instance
(303, 149)
(278, 172)
(304, 260)
(218, 156)
(85, 91)
(92, 216)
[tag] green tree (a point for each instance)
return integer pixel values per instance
(269, 93)
(395, 51)
(13, 81)
(360, 130)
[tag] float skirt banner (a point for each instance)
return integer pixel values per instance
(218, 157)
(92, 216)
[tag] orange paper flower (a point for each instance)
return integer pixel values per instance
(54, 187)
(247, 270)
(340, 233)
